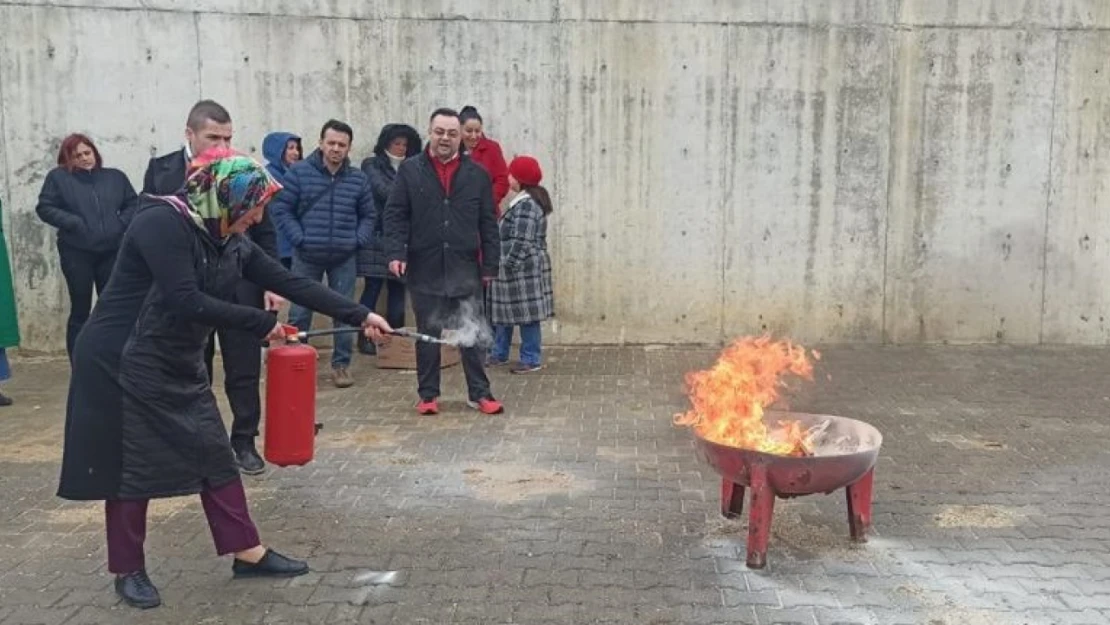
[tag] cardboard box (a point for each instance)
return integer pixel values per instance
(400, 353)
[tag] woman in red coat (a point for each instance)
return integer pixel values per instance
(486, 152)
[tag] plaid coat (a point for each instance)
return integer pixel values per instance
(522, 292)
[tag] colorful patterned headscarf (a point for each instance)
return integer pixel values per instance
(223, 185)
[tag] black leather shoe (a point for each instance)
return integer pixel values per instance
(137, 590)
(273, 564)
(250, 463)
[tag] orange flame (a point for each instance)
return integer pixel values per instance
(728, 399)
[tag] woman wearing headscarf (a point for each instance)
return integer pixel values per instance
(141, 419)
(90, 206)
(522, 295)
(9, 321)
(396, 142)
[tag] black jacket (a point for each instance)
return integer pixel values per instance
(438, 235)
(141, 419)
(372, 261)
(371, 258)
(90, 209)
(380, 174)
(165, 175)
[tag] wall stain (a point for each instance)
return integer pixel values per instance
(29, 245)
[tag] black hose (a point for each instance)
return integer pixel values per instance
(328, 331)
(425, 338)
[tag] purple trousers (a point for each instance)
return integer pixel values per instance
(228, 519)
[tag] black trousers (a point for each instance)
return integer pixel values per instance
(242, 356)
(433, 314)
(83, 270)
(394, 301)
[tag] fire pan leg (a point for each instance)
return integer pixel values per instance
(732, 499)
(859, 506)
(759, 517)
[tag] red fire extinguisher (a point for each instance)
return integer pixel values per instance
(291, 425)
(290, 401)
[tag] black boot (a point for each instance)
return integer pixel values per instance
(250, 463)
(273, 564)
(137, 590)
(5, 400)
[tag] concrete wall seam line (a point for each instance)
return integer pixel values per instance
(1048, 191)
(558, 17)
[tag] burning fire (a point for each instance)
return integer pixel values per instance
(728, 399)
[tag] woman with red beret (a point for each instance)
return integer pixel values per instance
(522, 294)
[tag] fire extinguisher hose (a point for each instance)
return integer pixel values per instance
(292, 334)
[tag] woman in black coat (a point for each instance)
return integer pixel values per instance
(141, 419)
(396, 142)
(90, 205)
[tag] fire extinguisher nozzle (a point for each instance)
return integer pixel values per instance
(416, 336)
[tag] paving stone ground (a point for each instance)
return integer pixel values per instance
(583, 504)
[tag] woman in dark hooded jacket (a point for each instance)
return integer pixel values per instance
(141, 419)
(90, 205)
(282, 149)
(396, 142)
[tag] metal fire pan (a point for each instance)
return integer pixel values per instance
(846, 451)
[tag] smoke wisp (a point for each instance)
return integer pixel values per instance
(467, 327)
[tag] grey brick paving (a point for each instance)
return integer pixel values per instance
(584, 505)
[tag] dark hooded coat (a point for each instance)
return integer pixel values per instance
(372, 261)
(273, 150)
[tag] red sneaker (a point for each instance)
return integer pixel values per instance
(427, 407)
(487, 405)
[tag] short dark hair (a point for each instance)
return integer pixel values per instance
(338, 126)
(445, 112)
(207, 110)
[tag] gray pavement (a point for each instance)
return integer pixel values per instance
(583, 504)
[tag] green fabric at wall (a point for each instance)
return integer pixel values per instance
(9, 322)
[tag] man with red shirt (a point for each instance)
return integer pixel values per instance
(439, 212)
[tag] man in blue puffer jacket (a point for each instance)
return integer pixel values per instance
(326, 211)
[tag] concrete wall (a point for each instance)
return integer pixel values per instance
(844, 171)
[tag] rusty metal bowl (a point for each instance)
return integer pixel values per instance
(843, 454)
